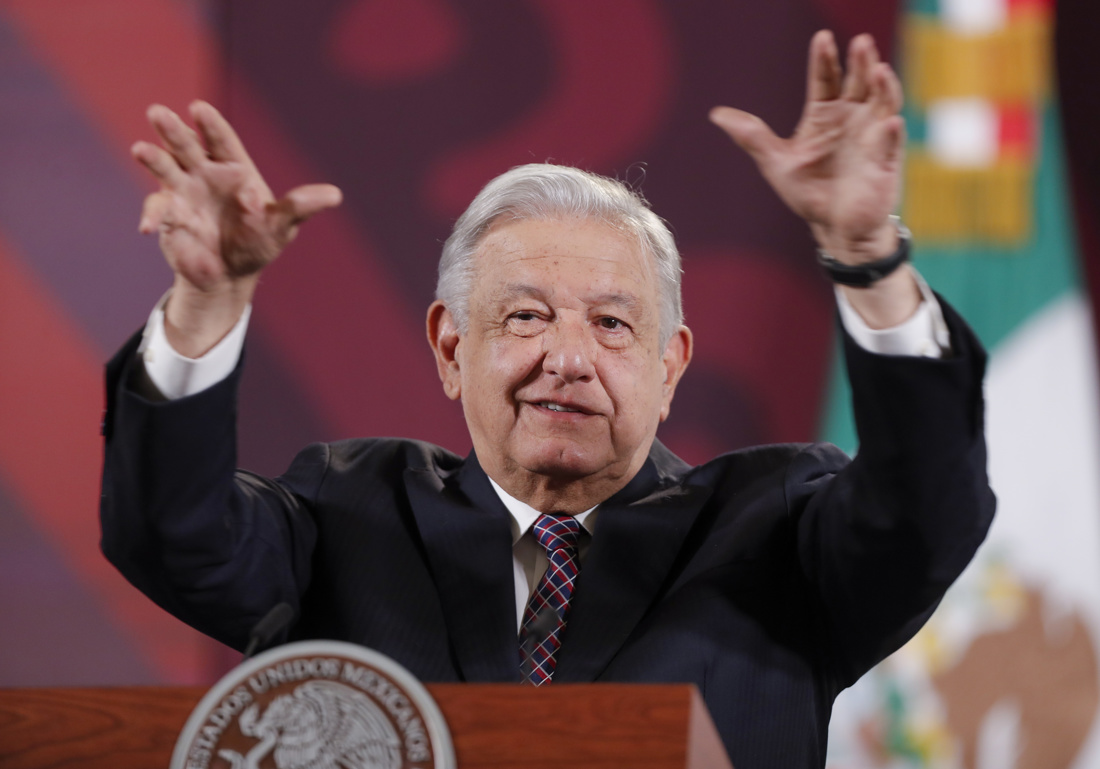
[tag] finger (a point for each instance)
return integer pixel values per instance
(310, 199)
(893, 140)
(890, 141)
(886, 93)
(221, 140)
(159, 163)
(823, 77)
(178, 137)
(748, 131)
(153, 212)
(300, 204)
(862, 59)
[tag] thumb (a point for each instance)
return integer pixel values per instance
(309, 199)
(748, 131)
(153, 212)
(300, 204)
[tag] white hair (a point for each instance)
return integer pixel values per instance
(545, 191)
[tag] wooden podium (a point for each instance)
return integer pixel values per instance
(583, 726)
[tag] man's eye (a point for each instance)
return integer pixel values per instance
(526, 323)
(611, 324)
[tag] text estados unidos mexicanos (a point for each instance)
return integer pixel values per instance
(417, 745)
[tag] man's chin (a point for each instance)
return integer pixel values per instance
(565, 463)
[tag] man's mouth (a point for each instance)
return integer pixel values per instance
(561, 408)
(557, 407)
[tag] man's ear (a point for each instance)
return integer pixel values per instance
(676, 359)
(443, 337)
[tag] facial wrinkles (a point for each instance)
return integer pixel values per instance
(561, 366)
(512, 253)
(562, 352)
(574, 349)
(582, 380)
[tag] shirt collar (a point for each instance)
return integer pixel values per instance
(524, 516)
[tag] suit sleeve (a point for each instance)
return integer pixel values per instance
(882, 539)
(216, 547)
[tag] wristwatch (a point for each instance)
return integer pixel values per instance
(863, 275)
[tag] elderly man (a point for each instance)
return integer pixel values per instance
(570, 545)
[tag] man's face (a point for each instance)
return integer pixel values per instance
(560, 372)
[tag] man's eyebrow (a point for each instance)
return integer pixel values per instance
(628, 301)
(512, 291)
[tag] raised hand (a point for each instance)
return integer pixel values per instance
(841, 169)
(218, 222)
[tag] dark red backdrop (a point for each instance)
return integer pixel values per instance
(410, 106)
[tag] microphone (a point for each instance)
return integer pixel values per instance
(266, 629)
(544, 624)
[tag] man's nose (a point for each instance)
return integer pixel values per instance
(570, 350)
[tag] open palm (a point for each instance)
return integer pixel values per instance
(841, 169)
(217, 219)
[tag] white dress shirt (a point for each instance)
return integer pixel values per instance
(529, 560)
(924, 334)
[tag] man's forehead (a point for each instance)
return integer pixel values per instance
(590, 245)
(577, 236)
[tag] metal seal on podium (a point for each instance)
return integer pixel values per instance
(324, 704)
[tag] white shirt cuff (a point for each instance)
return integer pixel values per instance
(923, 335)
(176, 376)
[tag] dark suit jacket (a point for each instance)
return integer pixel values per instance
(771, 577)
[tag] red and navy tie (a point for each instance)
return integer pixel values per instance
(559, 535)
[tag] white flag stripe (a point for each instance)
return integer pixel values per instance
(963, 133)
(1044, 453)
(973, 17)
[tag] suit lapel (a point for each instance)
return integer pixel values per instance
(468, 538)
(638, 535)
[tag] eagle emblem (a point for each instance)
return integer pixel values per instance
(320, 725)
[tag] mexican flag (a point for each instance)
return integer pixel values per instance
(1004, 676)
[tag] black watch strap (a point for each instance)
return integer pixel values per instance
(863, 275)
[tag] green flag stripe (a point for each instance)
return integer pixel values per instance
(995, 289)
